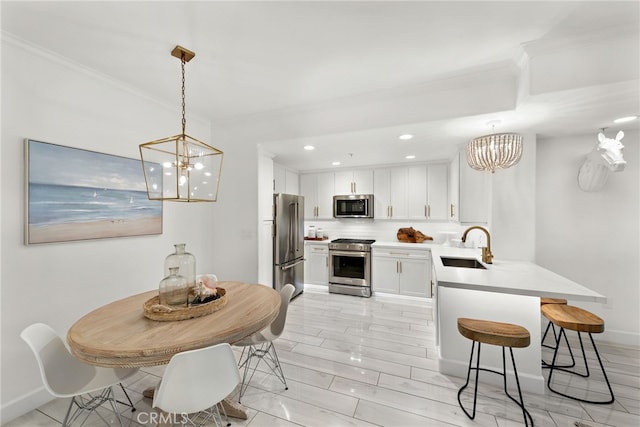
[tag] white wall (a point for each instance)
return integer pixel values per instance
(592, 238)
(51, 100)
(512, 219)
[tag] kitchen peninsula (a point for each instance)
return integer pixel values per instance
(505, 291)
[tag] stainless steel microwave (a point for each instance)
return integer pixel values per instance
(353, 206)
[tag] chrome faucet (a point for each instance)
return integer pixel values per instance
(487, 256)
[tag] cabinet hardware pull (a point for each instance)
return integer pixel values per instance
(400, 262)
(399, 253)
(429, 211)
(397, 266)
(391, 211)
(452, 209)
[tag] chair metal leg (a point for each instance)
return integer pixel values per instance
(553, 367)
(133, 408)
(528, 419)
(545, 365)
(475, 391)
(267, 353)
(89, 405)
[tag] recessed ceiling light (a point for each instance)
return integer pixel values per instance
(335, 163)
(309, 147)
(625, 119)
(405, 137)
(410, 156)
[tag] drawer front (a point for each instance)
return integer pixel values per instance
(401, 253)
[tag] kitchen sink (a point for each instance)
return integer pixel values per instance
(462, 262)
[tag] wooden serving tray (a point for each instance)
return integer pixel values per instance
(154, 311)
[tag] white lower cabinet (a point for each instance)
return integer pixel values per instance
(316, 265)
(401, 271)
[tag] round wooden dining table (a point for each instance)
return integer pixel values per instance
(119, 335)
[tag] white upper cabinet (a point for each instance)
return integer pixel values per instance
(417, 180)
(428, 194)
(285, 180)
(437, 192)
(354, 182)
(391, 193)
(317, 189)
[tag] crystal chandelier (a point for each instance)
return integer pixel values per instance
(495, 151)
(181, 168)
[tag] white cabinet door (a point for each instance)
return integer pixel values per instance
(354, 182)
(316, 269)
(308, 190)
(363, 181)
(398, 193)
(291, 182)
(325, 192)
(381, 190)
(417, 194)
(414, 277)
(279, 179)
(437, 190)
(317, 189)
(343, 181)
(454, 188)
(384, 275)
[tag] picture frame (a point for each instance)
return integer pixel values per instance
(75, 194)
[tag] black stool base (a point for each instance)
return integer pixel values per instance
(553, 367)
(528, 420)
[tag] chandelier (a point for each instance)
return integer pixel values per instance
(181, 168)
(495, 151)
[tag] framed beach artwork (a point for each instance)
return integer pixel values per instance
(75, 194)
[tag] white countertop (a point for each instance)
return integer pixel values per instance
(508, 277)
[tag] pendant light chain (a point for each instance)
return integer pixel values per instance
(184, 120)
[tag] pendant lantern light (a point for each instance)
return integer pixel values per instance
(181, 168)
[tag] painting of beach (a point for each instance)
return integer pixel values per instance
(75, 194)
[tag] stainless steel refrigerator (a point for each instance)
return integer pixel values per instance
(288, 242)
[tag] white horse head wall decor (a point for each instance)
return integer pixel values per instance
(604, 158)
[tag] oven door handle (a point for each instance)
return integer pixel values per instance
(354, 254)
(292, 265)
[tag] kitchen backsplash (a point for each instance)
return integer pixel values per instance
(386, 230)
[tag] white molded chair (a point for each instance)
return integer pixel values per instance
(195, 381)
(260, 345)
(65, 376)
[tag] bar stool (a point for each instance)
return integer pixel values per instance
(494, 333)
(579, 320)
(550, 325)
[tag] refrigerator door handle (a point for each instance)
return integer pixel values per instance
(292, 265)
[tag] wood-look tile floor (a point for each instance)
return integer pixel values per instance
(353, 361)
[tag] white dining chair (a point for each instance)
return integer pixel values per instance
(195, 381)
(88, 386)
(259, 346)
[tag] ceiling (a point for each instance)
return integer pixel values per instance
(350, 77)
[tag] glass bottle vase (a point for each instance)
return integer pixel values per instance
(183, 260)
(173, 290)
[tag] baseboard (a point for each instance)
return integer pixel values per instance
(619, 338)
(24, 404)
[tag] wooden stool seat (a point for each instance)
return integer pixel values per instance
(544, 301)
(573, 318)
(496, 333)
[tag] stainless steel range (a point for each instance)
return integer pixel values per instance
(350, 267)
